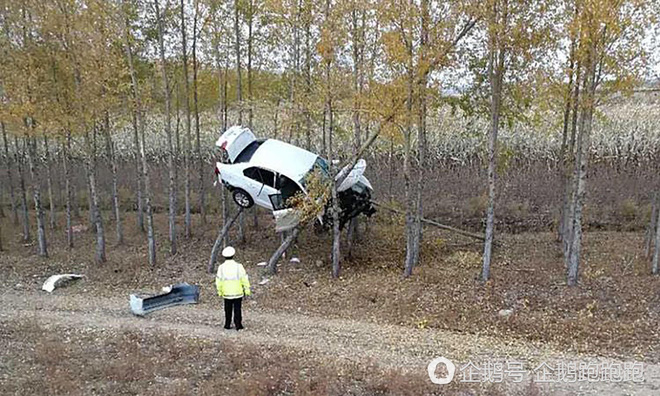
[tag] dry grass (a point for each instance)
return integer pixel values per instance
(58, 361)
(614, 311)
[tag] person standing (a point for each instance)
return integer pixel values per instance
(232, 283)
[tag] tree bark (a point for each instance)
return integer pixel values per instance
(198, 148)
(90, 165)
(272, 262)
(110, 153)
(650, 231)
(239, 95)
(10, 181)
(219, 241)
(496, 76)
(656, 251)
(581, 163)
(31, 144)
(21, 180)
(66, 160)
(134, 117)
(49, 176)
(187, 150)
(139, 127)
(168, 132)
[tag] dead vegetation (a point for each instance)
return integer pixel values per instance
(614, 311)
(61, 361)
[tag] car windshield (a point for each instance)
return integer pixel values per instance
(248, 152)
(321, 165)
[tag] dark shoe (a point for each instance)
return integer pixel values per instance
(227, 327)
(239, 328)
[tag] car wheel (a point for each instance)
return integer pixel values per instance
(242, 198)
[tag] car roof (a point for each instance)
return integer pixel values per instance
(284, 158)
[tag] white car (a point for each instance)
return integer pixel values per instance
(268, 172)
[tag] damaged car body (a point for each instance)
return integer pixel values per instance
(269, 172)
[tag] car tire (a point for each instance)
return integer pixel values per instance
(242, 198)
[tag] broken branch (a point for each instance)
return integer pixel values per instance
(435, 223)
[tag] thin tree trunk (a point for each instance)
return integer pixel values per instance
(31, 144)
(110, 153)
(656, 250)
(66, 159)
(151, 238)
(49, 176)
(139, 126)
(255, 211)
(168, 132)
(650, 231)
(10, 181)
(237, 48)
(21, 179)
(219, 241)
(187, 150)
(90, 165)
(421, 132)
(272, 262)
(407, 175)
(581, 164)
(496, 78)
(90, 199)
(198, 148)
(134, 116)
(239, 96)
(138, 169)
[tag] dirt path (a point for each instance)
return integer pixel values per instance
(394, 347)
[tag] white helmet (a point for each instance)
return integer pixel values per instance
(228, 252)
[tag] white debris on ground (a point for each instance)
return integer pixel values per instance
(295, 260)
(505, 313)
(58, 280)
(264, 281)
(262, 264)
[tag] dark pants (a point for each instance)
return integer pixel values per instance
(233, 305)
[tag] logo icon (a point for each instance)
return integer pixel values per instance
(451, 369)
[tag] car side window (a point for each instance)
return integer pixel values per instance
(260, 175)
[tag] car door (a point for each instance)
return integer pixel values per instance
(259, 184)
(267, 189)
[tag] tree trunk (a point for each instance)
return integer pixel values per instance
(198, 148)
(237, 48)
(10, 181)
(21, 179)
(219, 241)
(187, 150)
(49, 176)
(90, 199)
(90, 165)
(582, 159)
(496, 75)
(650, 231)
(656, 250)
(407, 176)
(272, 262)
(66, 160)
(31, 144)
(139, 126)
(168, 132)
(110, 153)
(239, 96)
(151, 238)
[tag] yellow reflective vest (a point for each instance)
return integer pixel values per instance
(232, 280)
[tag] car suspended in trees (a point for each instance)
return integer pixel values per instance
(270, 173)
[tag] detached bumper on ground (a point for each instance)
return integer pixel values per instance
(178, 294)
